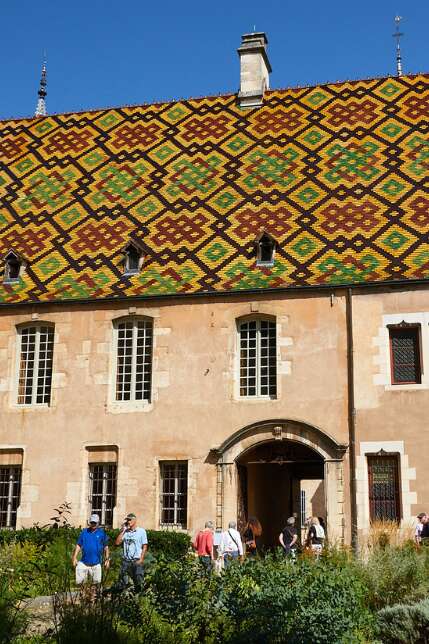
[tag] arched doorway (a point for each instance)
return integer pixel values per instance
(275, 478)
(253, 472)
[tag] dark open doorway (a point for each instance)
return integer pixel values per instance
(273, 480)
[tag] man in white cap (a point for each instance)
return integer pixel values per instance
(92, 542)
(134, 542)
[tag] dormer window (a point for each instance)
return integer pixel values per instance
(265, 250)
(13, 267)
(133, 258)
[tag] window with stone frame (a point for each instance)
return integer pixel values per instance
(10, 493)
(173, 493)
(134, 340)
(102, 491)
(405, 354)
(383, 484)
(36, 351)
(258, 358)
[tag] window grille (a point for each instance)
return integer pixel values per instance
(405, 355)
(383, 478)
(174, 493)
(303, 508)
(35, 365)
(10, 492)
(258, 372)
(134, 360)
(102, 495)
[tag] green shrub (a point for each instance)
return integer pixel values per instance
(267, 600)
(407, 624)
(13, 619)
(396, 575)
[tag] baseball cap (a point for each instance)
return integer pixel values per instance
(131, 515)
(94, 518)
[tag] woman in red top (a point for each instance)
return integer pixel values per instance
(203, 544)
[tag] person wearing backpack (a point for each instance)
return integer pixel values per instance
(231, 546)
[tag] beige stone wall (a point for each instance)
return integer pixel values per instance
(391, 417)
(195, 403)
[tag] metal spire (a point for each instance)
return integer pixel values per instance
(398, 36)
(41, 103)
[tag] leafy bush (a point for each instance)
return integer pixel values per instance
(269, 600)
(396, 574)
(407, 624)
(13, 619)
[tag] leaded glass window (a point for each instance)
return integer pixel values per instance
(134, 360)
(102, 494)
(35, 365)
(258, 358)
(383, 481)
(10, 491)
(174, 493)
(405, 355)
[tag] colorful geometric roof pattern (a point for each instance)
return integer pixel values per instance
(337, 174)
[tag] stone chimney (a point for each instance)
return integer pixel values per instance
(254, 69)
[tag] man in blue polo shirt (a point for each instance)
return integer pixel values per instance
(92, 542)
(134, 542)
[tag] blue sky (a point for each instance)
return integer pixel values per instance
(103, 53)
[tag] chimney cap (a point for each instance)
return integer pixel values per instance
(255, 35)
(255, 43)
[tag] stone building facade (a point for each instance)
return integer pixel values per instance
(212, 309)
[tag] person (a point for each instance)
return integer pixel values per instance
(231, 546)
(288, 538)
(316, 536)
(251, 535)
(424, 534)
(92, 544)
(419, 527)
(203, 545)
(134, 543)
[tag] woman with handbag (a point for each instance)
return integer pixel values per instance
(251, 535)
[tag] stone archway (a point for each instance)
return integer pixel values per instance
(330, 453)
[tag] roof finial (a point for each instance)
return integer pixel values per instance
(398, 34)
(41, 103)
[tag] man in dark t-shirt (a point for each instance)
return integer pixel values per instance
(288, 537)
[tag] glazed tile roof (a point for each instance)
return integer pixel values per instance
(337, 174)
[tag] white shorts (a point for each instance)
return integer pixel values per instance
(88, 573)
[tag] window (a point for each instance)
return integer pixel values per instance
(35, 365)
(258, 373)
(174, 493)
(383, 479)
(303, 509)
(134, 360)
(102, 491)
(405, 354)
(10, 491)
(265, 248)
(13, 266)
(133, 258)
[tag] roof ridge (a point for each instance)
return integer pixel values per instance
(210, 96)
